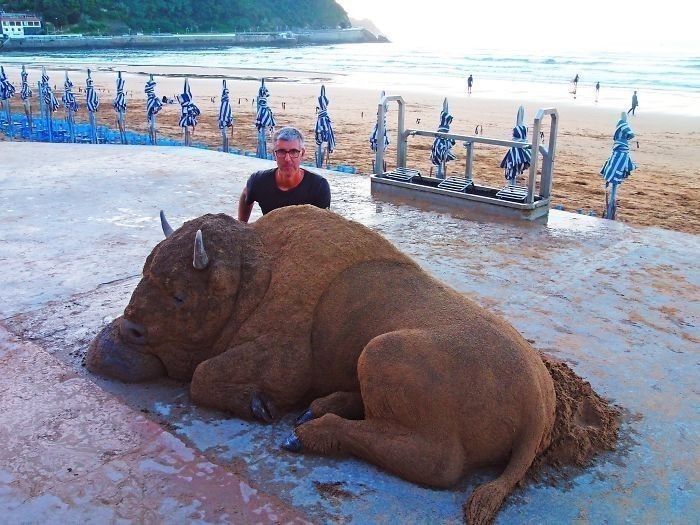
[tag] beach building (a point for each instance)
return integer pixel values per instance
(17, 25)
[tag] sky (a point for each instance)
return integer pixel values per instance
(541, 24)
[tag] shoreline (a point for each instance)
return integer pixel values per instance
(664, 191)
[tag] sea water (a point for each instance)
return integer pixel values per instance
(667, 82)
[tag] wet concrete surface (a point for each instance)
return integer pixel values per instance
(621, 305)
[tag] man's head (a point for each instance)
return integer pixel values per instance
(289, 150)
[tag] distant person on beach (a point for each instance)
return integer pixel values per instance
(635, 103)
(575, 81)
(470, 81)
(286, 185)
(597, 90)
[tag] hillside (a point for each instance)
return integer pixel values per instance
(181, 16)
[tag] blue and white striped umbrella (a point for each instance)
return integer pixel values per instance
(92, 102)
(26, 94)
(153, 106)
(225, 117)
(120, 106)
(26, 91)
(619, 166)
(188, 112)
(50, 103)
(517, 160)
(324, 128)
(441, 152)
(374, 139)
(70, 104)
(264, 119)
(7, 91)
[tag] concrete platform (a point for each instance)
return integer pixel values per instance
(621, 305)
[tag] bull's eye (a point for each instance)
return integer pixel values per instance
(178, 299)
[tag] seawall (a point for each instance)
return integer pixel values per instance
(285, 38)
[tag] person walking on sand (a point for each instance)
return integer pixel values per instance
(635, 103)
(470, 81)
(597, 90)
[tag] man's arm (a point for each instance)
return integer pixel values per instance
(244, 209)
(323, 199)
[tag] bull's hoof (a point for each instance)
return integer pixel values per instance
(303, 418)
(292, 443)
(262, 408)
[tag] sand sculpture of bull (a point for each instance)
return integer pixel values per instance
(304, 306)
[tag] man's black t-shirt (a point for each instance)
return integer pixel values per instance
(261, 187)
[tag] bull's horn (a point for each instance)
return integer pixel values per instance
(167, 230)
(200, 256)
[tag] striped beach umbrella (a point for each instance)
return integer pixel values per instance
(120, 107)
(50, 102)
(517, 160)
(92, 102)
(324, 129)
(619, 166)
(264, 119)
(441, 152)
(26, 94)
(7, 91)
(188, 112)
(373, 138)
(225, 117)
(153, 106)
(70, 104)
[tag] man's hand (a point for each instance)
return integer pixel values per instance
(244, 209)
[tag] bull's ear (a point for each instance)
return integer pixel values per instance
(201, 260)
(167, 230)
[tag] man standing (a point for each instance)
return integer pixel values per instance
(635, 103)
(286, 185)
(470, 81)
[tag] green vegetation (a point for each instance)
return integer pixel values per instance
(181, 16)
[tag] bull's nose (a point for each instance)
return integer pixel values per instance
(133, 333)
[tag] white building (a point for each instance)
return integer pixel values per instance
(16, 25)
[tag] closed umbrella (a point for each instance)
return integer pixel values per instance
(153, 106)
(120, 107)
(70, 104)
(374, 139)
(7, 91)
(619, 166)
(264, 119)
(517, 160)
(92, 101)
(50, 103)
(324, 130)
(26, 94)
(188, 112)
(441, 152)
(225, 117)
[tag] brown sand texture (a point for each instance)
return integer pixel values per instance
(662, 191)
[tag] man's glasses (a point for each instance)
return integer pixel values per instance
(293, 153)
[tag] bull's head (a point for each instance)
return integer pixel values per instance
(187, 305)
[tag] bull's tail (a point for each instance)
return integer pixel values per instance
(484, 502)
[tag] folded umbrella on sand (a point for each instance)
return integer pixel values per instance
(188, 112)
(517, 160)
(264, 119)
(50, 102)
(441, 152)
(225, 117)
(374, 137)
(619, 166)
(26, 94)
(92, 102)
(120, 107)
(153, 106)
(7, 91)
(70, 104)
(324, 130)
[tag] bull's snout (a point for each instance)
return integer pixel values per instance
(132, 332)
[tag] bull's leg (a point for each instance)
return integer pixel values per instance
(435, 460)
(344, 404)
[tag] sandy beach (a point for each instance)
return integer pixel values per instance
(662, 192)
